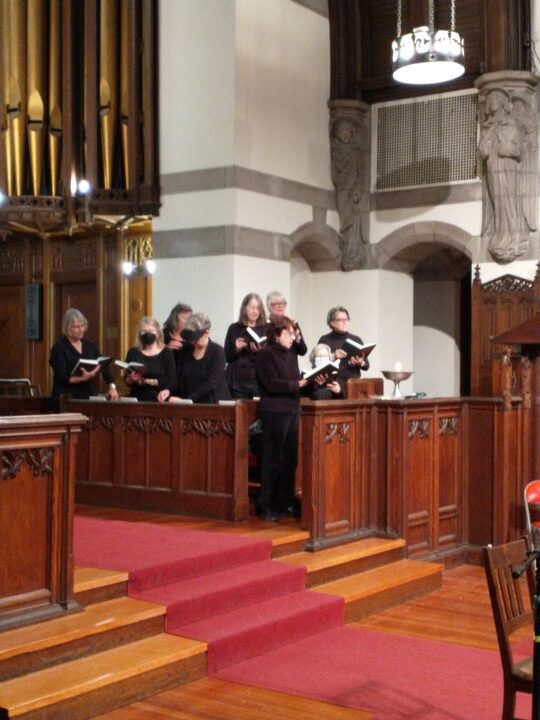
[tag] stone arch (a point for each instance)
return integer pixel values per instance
(408, 246)
(318, 244)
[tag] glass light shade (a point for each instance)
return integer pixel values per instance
(84, 187)
(426, 58)
(128, 267)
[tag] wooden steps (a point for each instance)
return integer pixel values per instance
(382, 587)
(94, 684)
(109, 654)
(336, 562)
(93, 585)
(96, 628)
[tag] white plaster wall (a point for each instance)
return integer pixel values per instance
(211, 208)
(205, 283)
(436, 338)
(259, 276)
(216, 286)
(379, 302)
(197, 72)
(282, 87)
(466, 215)
(525, 269)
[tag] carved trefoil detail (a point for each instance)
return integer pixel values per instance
(419, 429)
(40, 461)
(448, 425)
(339, 430)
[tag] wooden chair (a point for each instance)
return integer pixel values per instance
(19, 387)
(512, 610)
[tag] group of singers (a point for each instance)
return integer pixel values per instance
(259, 359)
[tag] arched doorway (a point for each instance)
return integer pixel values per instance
(438, 257)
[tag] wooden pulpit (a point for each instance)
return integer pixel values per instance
(527, 335)
(37, 460)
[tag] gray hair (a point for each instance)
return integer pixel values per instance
(272, 297)
(70, 316)
(198, 321)
(146, 320)
(317, 349)
(333, 312)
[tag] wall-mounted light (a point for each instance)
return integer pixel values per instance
(138, 251)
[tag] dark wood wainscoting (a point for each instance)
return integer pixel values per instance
(190, 459)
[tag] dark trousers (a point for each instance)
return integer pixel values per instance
(279, 460)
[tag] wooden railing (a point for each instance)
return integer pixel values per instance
(190, 459)
(447, 474)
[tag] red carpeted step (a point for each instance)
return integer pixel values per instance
(189, 601)
(156, 555)
(250, 631)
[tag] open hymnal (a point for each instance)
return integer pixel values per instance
(89, 364)
(329, 371)
(131, 366)
(354, 349)
(255, 337)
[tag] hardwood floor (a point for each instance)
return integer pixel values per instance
(459, 612)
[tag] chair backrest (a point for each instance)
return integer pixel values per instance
(510, 597)
(21, 387)
(531, 501)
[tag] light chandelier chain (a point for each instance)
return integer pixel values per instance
(398, 32)
(452, 15)
(431, 15)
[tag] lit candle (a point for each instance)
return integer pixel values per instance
(398, 366)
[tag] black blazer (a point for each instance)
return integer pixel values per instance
(202, 381)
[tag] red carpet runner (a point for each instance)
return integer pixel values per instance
(264, 629)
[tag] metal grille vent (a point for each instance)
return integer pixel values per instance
(426, 141)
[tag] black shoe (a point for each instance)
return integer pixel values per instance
(268, 515)
(293, 511)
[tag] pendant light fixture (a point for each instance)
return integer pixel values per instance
(427, 56)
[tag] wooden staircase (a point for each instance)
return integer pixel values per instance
(110, 654)
(371, 575)
(114, 651)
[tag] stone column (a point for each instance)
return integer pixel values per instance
(350, 144)
(508, 147)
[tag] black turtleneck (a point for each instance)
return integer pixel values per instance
(335, 340)
(278, 376)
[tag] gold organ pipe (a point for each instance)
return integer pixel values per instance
(17, 114)
(6, 167)
(108, 104)
(36, 89)
(125, 47)
(55, 93)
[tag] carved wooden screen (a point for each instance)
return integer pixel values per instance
(497, 305)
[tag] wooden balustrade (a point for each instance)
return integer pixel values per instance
(446, 474)
(190, 459)
(36, 516)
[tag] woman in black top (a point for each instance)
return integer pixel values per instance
(173, 326)
(337, 320)
(65, 354)
(200, 374)
(331, 390)
(241, 348)
(279, 408)
(277, 308)
(158, 362)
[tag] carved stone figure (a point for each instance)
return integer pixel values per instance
(508, 146)
(349, 152)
